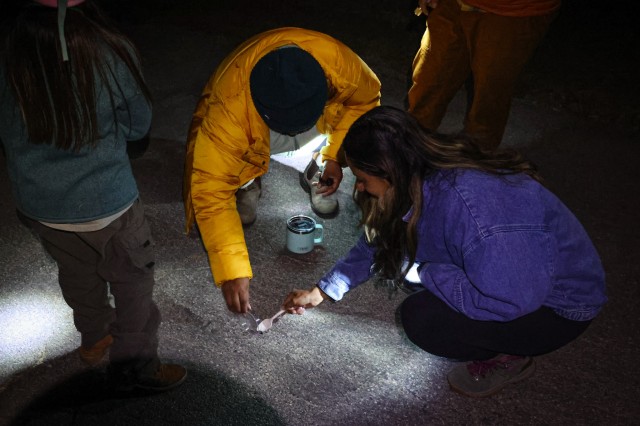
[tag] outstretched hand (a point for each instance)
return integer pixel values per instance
(299, 300)
(236, 294)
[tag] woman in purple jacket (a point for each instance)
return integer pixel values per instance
(506, 270)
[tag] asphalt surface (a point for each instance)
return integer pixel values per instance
(347, 363)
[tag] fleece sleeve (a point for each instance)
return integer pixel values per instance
(133, 110)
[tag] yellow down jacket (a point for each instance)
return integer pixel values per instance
(228, 142)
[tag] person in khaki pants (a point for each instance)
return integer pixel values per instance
(485, 43)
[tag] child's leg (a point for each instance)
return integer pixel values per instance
(127, 261)
(84, 290)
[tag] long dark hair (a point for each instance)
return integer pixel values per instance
(388, 143)
(57, 99)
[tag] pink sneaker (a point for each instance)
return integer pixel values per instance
(483, 378)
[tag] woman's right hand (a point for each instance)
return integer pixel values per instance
(299, 300)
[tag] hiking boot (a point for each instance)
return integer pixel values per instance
(93, 355)
(309, 180)
(483, 378)
(167, 376)
(122, 378)
(247, 202)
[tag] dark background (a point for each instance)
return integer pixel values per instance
(587, 64)
(575, 113)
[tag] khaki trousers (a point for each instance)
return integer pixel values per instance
(116, 260)
(489, 48)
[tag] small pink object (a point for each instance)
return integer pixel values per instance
(54, 3)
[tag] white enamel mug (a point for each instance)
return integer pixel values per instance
(303, 232)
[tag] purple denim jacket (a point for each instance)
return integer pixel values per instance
(493, 248)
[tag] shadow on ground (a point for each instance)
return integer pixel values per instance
(575, 114)
(207, 397)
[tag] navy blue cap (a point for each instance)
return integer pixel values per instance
(289, 90)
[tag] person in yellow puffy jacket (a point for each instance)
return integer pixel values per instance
(270, 95)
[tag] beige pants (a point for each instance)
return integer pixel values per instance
(119, 260)
(491, 49)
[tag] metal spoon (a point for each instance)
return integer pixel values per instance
(266, 324)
